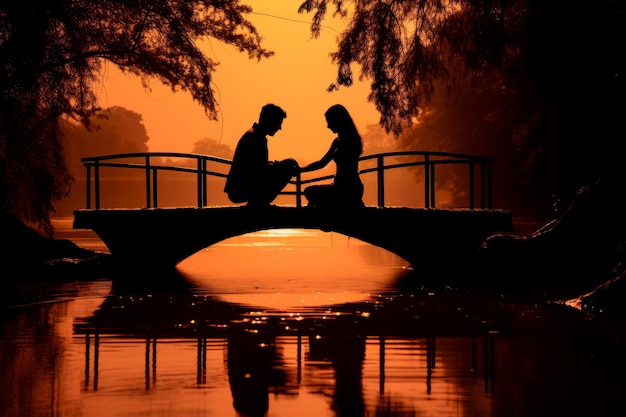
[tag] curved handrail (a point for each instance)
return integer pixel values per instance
(202, 164)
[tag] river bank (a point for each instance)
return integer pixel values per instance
(36, 255)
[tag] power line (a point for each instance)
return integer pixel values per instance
(293, 20)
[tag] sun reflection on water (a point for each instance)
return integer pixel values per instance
(293, 268)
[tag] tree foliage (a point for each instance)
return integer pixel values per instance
(558, 63)
(114, 130)
(490, 121)
(51, 54)
(404, 47)
(396, 44)
(210, 146)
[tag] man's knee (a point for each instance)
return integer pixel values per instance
(287, 167)
(237, 198)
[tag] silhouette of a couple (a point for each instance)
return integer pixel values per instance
(255, 180)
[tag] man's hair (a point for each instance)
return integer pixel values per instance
(271, 111)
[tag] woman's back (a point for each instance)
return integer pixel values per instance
(346, 159)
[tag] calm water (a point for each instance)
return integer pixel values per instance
(295, 323)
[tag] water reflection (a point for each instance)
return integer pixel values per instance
(425, 353)
(204, 343)
(292, 268)
(255, 364)
(344, 360)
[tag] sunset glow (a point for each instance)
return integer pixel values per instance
(296, 78)
(292, 268)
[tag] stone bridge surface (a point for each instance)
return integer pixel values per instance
(163, 237)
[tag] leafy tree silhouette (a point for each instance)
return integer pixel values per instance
(550, 69)
(52, 52)
(114, 130)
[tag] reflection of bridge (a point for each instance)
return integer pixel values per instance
(481, 347)
(163, 237)
(333, 336)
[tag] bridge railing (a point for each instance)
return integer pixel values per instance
(203, 167)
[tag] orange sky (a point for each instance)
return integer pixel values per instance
(295, 78)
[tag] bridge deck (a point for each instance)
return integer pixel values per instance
(163, 237)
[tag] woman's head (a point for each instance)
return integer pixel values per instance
(340, 122)
(338, 119)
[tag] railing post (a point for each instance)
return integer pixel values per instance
(433, 203)
(147, 181)
(426, 181)
(298, 190)
(205, 189)
(199, 180)
(154, 188)
(471, 184)
(489, 184)
(381, 180)
(483, 185)
(88, 181)
(96, 173)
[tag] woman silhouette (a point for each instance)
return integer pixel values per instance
(347, 188)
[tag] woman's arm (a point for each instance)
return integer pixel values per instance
(324, 161)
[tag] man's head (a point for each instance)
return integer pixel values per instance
(271, 118)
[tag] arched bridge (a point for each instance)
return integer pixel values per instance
(161, 237)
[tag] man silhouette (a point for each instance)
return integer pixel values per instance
(252, 177)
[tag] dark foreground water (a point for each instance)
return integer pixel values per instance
(296, 323)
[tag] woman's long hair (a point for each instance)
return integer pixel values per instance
(348, 131)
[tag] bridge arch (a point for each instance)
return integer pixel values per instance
(162, 238)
